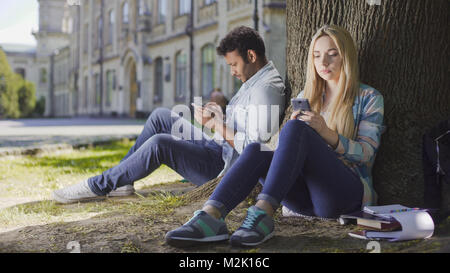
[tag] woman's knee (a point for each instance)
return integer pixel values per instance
(295, 124)
(294, 128)
(252, 148)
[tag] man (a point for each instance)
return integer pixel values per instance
(198, 159)
(218, 97)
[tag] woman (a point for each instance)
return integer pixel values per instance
(322, 166)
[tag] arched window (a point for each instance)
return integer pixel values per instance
(162, 11)
(208, 69)
(97, 89)
(142, 8)
(125, 13)
(111, 26)
(110, 75)
(158, 80)
(184, 7)
(180, 75)
(99, 31)
(86, 91)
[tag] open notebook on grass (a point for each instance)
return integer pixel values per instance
(415, 223)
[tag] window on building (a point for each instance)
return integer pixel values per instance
(208, 71)
(111, 27)
(209, 2)
(125, 13)
(86, 92)
(142, 8)
(75, 93)
(56, 74)
(97, 89)
(162, 11)
(158, 80)
(184, 7)
(86, 38)
(109, 86)
(125, 20)
(43, 75)
(180, 75)
(99, 32)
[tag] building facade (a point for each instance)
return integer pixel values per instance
(127, 57)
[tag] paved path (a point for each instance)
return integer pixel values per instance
(33, 133)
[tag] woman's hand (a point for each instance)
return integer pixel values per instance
(295, 114)
(315, 120)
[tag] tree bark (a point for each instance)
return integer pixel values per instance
(403, 53)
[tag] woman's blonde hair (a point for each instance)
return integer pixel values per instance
(340, 118)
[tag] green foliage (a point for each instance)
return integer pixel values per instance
(17, 96)
(39, 108)
(27, 98)
(9, 103)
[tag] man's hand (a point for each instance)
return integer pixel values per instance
(202, 117)
(217, 112)
(210, 115)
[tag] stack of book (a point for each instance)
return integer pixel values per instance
(392, 222)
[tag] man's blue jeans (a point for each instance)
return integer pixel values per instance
(304, 174)
(196, 160)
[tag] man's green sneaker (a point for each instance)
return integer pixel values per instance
(199, 229)
(257, 228)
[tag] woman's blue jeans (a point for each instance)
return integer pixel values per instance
(196, 157)
(304, 174)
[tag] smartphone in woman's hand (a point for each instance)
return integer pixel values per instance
(300, 104)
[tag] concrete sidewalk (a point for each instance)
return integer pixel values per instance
(27, 136)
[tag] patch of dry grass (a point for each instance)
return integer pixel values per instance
(26, 184)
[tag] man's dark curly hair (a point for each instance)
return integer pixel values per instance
(243, 39)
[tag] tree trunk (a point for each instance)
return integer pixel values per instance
(403, 53)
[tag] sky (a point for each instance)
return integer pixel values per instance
(17, 19)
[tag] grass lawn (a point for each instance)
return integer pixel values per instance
(26, 184)
(31, 222)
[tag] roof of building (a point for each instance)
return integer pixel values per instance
(18, 48)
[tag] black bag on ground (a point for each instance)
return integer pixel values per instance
(436, 169)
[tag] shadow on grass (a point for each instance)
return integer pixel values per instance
(94, 160)
(121, 231)
(114, 227)
(139, 223)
